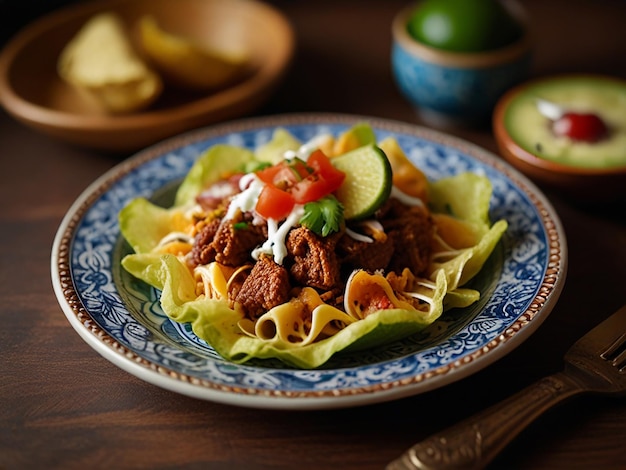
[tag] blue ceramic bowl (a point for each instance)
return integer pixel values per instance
(451, 87)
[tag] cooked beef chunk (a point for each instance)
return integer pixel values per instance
(368, 256)
(228, 242)
(203, 252)
(314, 260)
(235, 239)
(411, 229)
(266, 287)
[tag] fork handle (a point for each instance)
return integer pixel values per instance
(475, 442)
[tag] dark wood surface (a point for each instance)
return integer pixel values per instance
(64, 406)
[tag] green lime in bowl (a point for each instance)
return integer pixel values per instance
(453, 59)
(464, 25)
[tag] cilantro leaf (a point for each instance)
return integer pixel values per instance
(323, 216)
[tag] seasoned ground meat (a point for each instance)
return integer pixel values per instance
(266, 287)
(314, 260)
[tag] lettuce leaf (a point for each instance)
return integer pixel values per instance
(213, 162)
(464, 196)
(213, 321)
(143, 224)
(272, 151)
(466, 263)
(460, 297)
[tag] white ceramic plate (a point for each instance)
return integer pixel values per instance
(120, 317)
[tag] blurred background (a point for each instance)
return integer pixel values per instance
(15, 14)
(557, 34)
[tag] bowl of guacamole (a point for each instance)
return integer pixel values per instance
(567, 131)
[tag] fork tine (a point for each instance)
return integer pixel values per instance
(613, 349)
(616, 353)
(620, 361)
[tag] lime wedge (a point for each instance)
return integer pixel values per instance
(368, 181)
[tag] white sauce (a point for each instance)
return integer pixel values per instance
(174, 237)
(276, 236)
(219, 190)
(308, 148)
(251, 186)
(405, 198)
(359, 236)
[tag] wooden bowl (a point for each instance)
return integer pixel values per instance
(33, 93)
(581, 182)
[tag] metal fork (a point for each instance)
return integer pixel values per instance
(596, 363)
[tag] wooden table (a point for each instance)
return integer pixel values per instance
(64, 406)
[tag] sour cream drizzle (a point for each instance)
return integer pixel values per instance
(405, 198)
(251, 186)
(308, 148)
(359, 236)
(276, 236)
(175, 237)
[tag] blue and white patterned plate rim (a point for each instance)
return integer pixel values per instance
(123, 324)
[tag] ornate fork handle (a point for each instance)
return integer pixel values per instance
(473, 443)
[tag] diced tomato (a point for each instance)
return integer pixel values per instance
(269, 174)
(285, 174)
(274, 203)
(325, 179)
(376, 300)
(301, 168)
(323, 167)
(298, 182)
(310, 189)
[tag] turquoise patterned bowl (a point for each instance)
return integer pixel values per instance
(452, 88)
